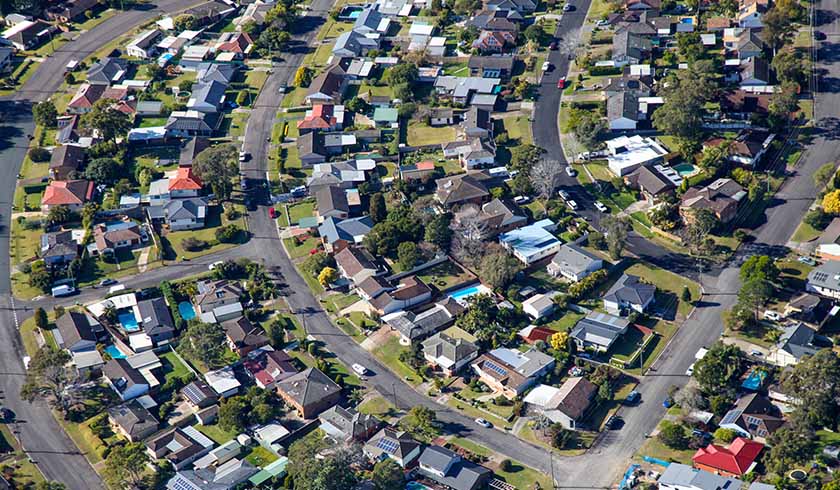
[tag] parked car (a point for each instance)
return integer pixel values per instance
(521, 199)
(107, 282)
(483, 423)
(772, 315)
(568, 7)
(63, 290)
(633, 398)
(690, 370)
(572, 204)
(553, 46)
(561, 84)
(613, 423)
(804, 259)
(602, 23)
(359, 369)
(215, 264)
(546, 66)
(571, 172)
(282, 89)
(243, 156)
(601, 207)
(272, 213)
(756, 353)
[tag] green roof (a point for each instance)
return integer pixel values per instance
(386, 114)
(272, 470)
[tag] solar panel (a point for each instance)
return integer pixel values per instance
(730, 417)
(387, 445)
(495, 368)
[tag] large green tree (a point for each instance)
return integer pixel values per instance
(814, 385)
(681, 115)
(104, 118)
(616, 230)
(718, 370)
(387, 475)
(217, 166)
(51, 378)
(326, 472)
(125, 465)
(45, 114)
(204, 342)
(103, 171)
(498, 268)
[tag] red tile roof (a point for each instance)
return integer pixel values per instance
(426, 165)
(539, 333)
(185, 180)
(321, 118)
(237, 44)
(67, 192)
(736, 459)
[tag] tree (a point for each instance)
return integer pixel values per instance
(402, 73)
(685, 295)
(616, 230)
(204, 342)
(699, 228)
(831, 202)
(559, 341)
(216, 166)
(327, 276)
(407, 255)
(782, 104)
(125, 465)
(185, 22)
(45, 114)
(789, 66)
(58, 215)
(725, 435)
(271, 41)
(376, 207)
(421, 421)
(790, 446)
(814, 384)
(39, 277)
(49, 377)
(387, 475)
(605, 392)
(690, 46)
(523, 157)
(315, 263)
(561, 437)
(761, 267)
(497, 269)
(357, 105)
(822, 176)
(103, 171)
(589, 128)
(682, 113)
(779, 23)
(155, 72)
(438, 231)
(545, 175)
(303, 76)
(672, 435)
(228, 233)
(104, 118)
(718, 370)
(535, 33)
(41, 320)
(691, 398)
(233, 414)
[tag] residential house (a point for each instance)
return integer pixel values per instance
(267, 367)
(371, 21)
(185, 183)
(211, 12)
(449, 469)
(735, 460)
(226, 476)
(574, 263)
(65, 161)
(107, 71)
(331, 202)
(337, 234)
(179, 446)
(753, 416)
(747, 148)
(796, 342)
(59, 248)
(347, 424)
(623, 111)
(462, 89)
(477, 123)
(749, 15)
(190, 150)
(386, 117)
(311, 150)
(239, 43)
(328, 87)
(639, 86)
(678, 476)
(185, 124)
(750, 44)
(338, 143)
(521, 6)
(73, 194)
(718, 23)
(629, 293)
(156, 320)
(393, 444)
(357, 264)
(494, 41)
(77, 332)
(654, 181)
(181, 214)
(472, 153)
(442, 116)
(322, 117)
(410, 292)
(352, 44)
(199, 395)
(722, 197)
(218, 300)
(461, 189)
(825, 279)
(126, 381)
(310, 392)
(216, 72)
(243, 336)
(539, 305)
(495, 217)
(496, 20)
(642, 4)
(598, 331)
(740, 104)
(343, 175)
(627, 153)
(67, 12)
(756, 76)
(630, 48)
(532, 243)
(500, 67)
(87, 95)
(414, 326)
(28, 34)
(109, 238)
(223, 381)
(132, 421)
(144, 45)
(511, 372)
(449, 354)
(207, 97)
(567, 405)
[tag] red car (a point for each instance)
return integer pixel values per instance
(272, 213)
(561, 84)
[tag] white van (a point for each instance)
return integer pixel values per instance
(63, 290)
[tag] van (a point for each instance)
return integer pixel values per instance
(63, 290)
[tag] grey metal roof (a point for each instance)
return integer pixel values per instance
(599, 328)
(209, 93)
(629, 289)
(574, 259)
(186, 208)
(333, 229)
(678, 475)
(155, 316)
(442, 345)
(826, 275)
(797, 340)
(104, 70)
(459, 474)
(208, 72)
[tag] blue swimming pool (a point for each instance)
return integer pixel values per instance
(462, 294)
(754, 380)
(185, 308)
(128, 321)
(413, 485)
(114, 352)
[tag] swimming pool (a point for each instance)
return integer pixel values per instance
(128, 320)
(685, 169)
(462, 294)
(413, 485)
(754, 380)
(114, 352)
(185, 308)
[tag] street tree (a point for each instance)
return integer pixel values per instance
(51, 378)
(41, 320)
(303, 76)
(783, 104)
(589, 128)
(718, 370)
(831, 202)
(698, 229)
(822, 176)
(126, 465)
(545, 175)
(754, 294)
(216, 166)
(106, 119)
(185, 22)
(789, 66)
(759, 267)
(45, 114)
(616, 230)
(421, 421)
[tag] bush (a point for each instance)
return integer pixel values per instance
(725, 435)
(228, 233)
(506, 465)
(39, 155)
(599, 71)
(672, 435)
(192, 244)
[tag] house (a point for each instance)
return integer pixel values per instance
(414, 326)
(341, 175)
(753, 416)
(331, 202)
(495, 217)
(125, 380)
(627, 153)
(218, 300)
(328, 87)
(796, 342)
(87, 95)
(322, 117)
(630, 48)
(65, 161)
(69, 11)
(337, 143)
(683, 477)
(636, 85)
(722, 198)
(735, 460)
(390, 443)
(386, 117)
(347, 424)
(108, 238)
(144, 45)
(132, 421)
(461, 189)
(59, 248)
(756, 76)
(533, 333)
(357, 264)
(28, 34)
(496, 20)
(353, 43)
(216, 72)
(825, 279)
(500, 67)
(185, 183)
(654, 181)
(539, 305)
(410, 292)
(642, 4)
(198, 395)
(190, 150)
(77, 332)
(472, 153)
(598, 331)
(226, 476)
(185, 124)
(629, 293)
(223, 381)
(461, 89)
(267, 367)
(179, 446)
(449, 469)
(741, 104)
(494, 41)
(442, 116)
(337, 234)
(207, 97)
(750, 44)
(194, 57)
(566, 405)
(574, 263)
(749, 15)
(371, 21)
(450, 354)
(477, 123)
(532, 243)
(181, 214)
(156, 320)
(243, 336)
(235, 42)
(71, 193)
(310, 392)
(623, 111)
(748, 147)
(521, 6)
(107, 71)
(311, 150)
(511, 372)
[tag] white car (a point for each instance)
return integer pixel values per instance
(214, 265)
(563, 195)
(483, 423)
(546, 66)
(359, 369)
(601, 207)
(572, 204)
(571, 172)
(521, 199)
(690, 370)
(772, 315)
(243, 156)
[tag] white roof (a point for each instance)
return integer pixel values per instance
(118, 302)
(641, 70)
(198, 436)
(21, 26)
(222, 380)
(541, 395)
(633, 151)
(86, 359)
(271, 433)
(196, 52)
(146, 401)
(829, 249)
(142, 134)
(708, 39)
(386, 60)
(189, 35)
(159, 187)
(167, 23)
(420, 28)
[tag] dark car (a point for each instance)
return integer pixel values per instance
(553, 46)
(819, 35)
(614, 422)
(633, 398)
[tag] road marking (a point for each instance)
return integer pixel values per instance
(14, 312)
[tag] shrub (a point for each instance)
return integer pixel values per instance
(672, 435)
(598, 71)
(192, 244)
(725, 435)
(39, 155)
(506, 465)
(227, 233)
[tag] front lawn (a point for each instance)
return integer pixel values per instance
(388, 354)
(668, 282)
(25, 244)
(519, 475)
(299, 250)
(303, 209)
(420, 134)
(172, 241)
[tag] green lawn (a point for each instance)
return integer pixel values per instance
(261, 457)
(667, 281)
(655, 449)
(337, 302)
(420, 134)
(377, 406)
(216, 433)
(173, 366)
(377, 90)
(294, 98)
(151, 122)
(25, 244)
(520, 476)
(805, 233)
(304, 209)
(87, 442)
(172, 240)
(389, 355)
(255, 79)
(301, 250)
(445, 276)
(518, 128)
